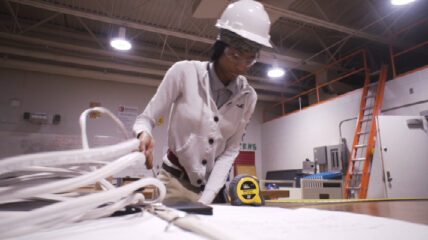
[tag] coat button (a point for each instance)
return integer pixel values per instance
(215, 119)
(204, 162)
(210, 141)
(199, 181)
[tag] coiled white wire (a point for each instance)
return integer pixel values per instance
(48, 175)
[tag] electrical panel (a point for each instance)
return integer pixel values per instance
(320, 155)
(329, 158)
(334, 157)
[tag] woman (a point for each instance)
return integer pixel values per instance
(210, 104)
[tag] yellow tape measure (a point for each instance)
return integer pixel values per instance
(345, 200)
(245, 190)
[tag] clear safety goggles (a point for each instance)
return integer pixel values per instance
(235, 56)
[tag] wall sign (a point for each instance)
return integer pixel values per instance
(248, 146)
(127, 114)
(94, 114)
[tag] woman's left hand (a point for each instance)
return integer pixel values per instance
(147, 144)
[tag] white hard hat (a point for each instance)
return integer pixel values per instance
(248, 19)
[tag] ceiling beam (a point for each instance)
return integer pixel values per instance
(324, 24)
(323, 44)
(265, 56)
(354, 34)
(111, 20)
(76, 72)
(91, 33)
(12, 12)
(320, 10)
(82, 49)
(61, 58)
(92, 74)
(40, 23)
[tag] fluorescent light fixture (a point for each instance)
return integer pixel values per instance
(276, 72)
(120, 43)
(401, 2)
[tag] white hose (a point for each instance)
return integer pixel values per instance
(189, 222)
(82, 121)
(85, 202)
(73, 183)
(34, 176)
(63, 211)
(58, 158)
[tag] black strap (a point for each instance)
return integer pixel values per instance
(174, 172)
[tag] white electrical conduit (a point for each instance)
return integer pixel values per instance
(82, 120)
(74, 209)
(30, 180)
(57, 158)
(13, 193)
(56, 197)
(37, 169)
(35, 173)
(188, 222)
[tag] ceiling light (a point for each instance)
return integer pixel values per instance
(120, 43)
(276, 72)
(401, 2)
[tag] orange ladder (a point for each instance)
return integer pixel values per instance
(358, 176)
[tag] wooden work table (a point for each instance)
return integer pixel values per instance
(272, 194)
(415, 211)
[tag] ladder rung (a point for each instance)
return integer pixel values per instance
(361, 133)
(361, 145)
(370, 96)
(372, 84)
(353, 188)
(368, 108)
(357, 173)
(360, 159)
(368, 114)
(366, 120)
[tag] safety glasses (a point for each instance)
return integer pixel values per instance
(235, 56)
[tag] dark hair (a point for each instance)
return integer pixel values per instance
(217, 50)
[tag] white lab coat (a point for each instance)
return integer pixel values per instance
(206, 148)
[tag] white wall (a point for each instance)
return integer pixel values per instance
(397, 93)
(69, 96)
(287, 141)
(254, 133)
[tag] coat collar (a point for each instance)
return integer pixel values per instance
(203, 78)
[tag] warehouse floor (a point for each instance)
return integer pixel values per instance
(415, 211)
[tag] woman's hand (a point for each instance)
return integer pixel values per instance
(147, 145)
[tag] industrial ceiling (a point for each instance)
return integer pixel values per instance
(71, 37)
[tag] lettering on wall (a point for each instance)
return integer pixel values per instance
(248, 146)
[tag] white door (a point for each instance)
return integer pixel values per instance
(404, 146)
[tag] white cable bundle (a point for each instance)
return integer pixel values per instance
(55, 176)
